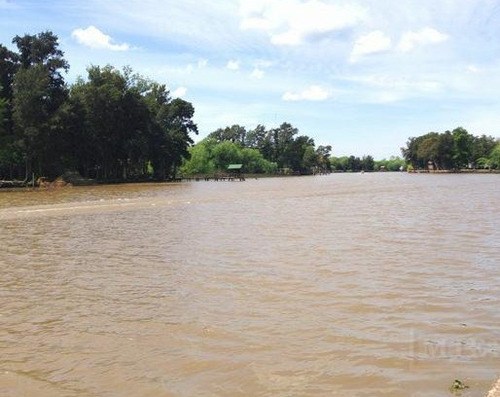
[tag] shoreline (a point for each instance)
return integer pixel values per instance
(460, 171)
(57, 183)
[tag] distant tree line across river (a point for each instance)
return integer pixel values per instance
(452, 150)
(118, 125)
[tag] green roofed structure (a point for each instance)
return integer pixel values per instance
(234, 171)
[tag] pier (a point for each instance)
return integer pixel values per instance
(233, 174)
(214, 178)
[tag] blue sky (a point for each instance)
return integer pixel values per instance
(360, 75)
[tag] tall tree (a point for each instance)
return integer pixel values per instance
(482, 147)
(323, 154)
(8, 67)
(38, 92)
(462, 147)
(281, 139)
(179, 126)
(367, 163)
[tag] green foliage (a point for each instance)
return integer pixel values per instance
(235, 133)
(200, 161)
(367, 163)
(255, 163)
(114, 125)
(483, 163)
(462, 147)
(449, 150)
(259, 150)
(494, 159)
(482, 146)
(393, 164)
(210, 156)
(3, 115)
(339, 163)
(323, 154)
(131, 124)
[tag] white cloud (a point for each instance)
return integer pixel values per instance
(473, 69)
(290, 37)
(202, 63)
(233, 65)
(313, 93)
(423, 37)
(370, 43)
(261, 63)
(179, 92)
(94, 38)
(292, 22)
(257, 73)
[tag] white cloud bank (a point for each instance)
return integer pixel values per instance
(257, 74)
(94, 38)
(292, 22)
(370, 43)
(423, 37)
(233, 65)
(179, 92)
(377, 41)
(313, 93)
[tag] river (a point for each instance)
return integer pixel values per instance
(340, 285)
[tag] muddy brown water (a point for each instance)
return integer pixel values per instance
(339, 285)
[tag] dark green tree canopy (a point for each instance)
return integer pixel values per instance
(113, 125)
(449, 150)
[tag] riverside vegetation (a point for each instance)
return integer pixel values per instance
(116, 125)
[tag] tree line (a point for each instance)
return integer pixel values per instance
(118, 125)
(277, 150)
(280, 150)
(113, 125)
(451, 150)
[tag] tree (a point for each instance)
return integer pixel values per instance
(38, 92)
(353, 164)
(179, 126)
(255, 163)
(323, 157)
(339, 163)
(281, 138)
(494, 159)
(482, 147)
(410, 152)
(462, 147)
(309, 159)
(299, 151)
(209, 156)
(102, 99)
(431, 147)
(393, 164)
(200, 160)
(226, 153)
(8, 68)
(256, 138)
(235, 133)
(367, 163)
(3, 116)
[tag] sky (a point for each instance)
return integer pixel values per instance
(360, 75)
